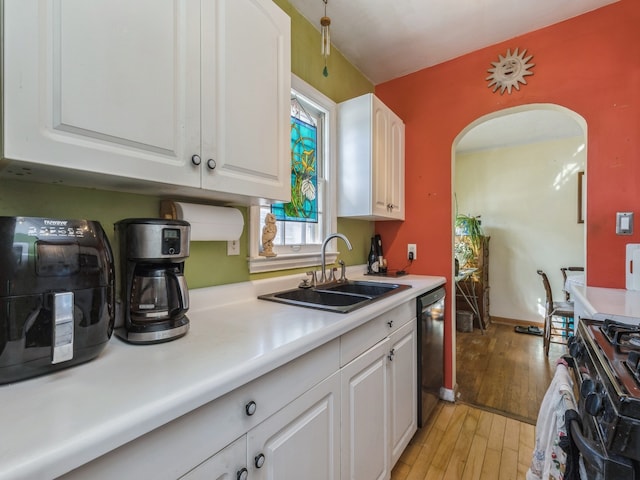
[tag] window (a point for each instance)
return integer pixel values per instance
(303, 223)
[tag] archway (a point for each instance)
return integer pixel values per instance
(533, 140)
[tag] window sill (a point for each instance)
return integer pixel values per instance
(289, 261)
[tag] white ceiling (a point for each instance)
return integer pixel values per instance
(386, 39)
(525, 127)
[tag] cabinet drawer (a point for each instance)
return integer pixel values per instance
(359, 340)
(176, 447)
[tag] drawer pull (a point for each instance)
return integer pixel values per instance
(390, 323)
(196, 160)
(259, 461)
(242, 474)
(392, 354)
(211, 164)
(250, 408)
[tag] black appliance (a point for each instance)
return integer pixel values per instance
(430, 314)
(153, 291)
(57, 299)
(604, 356)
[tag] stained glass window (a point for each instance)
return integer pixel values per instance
(304, 175)
(302, 222)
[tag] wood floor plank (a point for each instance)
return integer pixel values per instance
(460, 453)
(449, 438)
(496, 435)
(508, 464)
(491, 465)
(473, 467)
(512, 434)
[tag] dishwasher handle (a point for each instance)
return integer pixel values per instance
(431, 297)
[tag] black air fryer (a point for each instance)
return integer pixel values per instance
(57, 304)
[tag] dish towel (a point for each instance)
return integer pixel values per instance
(549, 459)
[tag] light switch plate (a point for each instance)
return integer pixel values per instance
(624, 223)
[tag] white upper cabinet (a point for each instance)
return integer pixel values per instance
(371, 160)
(143, 94)
(246, 98)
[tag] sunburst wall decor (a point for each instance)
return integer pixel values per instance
(509, 71)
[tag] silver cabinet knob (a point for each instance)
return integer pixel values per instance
(211, 164)
(196, 160)
(250, 408)
(242, 474)
(259, 460)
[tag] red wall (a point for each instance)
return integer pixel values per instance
(589, 64)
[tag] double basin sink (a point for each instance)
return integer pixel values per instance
(341, 297)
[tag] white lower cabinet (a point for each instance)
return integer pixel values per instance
(300, 441)
(379, 404)
(403, 388)
(228, 464)
(365, 423)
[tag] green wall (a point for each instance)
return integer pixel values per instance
(208, 264)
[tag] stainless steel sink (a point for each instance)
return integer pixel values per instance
(341, 297)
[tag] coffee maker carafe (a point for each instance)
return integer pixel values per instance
(153, 292)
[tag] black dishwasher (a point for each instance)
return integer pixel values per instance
(430, 314)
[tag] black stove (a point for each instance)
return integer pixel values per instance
(606, 364)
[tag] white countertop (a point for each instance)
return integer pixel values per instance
(55, 423)
(613, 303)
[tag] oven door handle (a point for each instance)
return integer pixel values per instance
(590, 452)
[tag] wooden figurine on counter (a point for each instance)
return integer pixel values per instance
(268, 234)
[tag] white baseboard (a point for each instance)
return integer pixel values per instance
(448, 394)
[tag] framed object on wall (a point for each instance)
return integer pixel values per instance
(582, 191)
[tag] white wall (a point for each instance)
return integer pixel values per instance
(527, 197)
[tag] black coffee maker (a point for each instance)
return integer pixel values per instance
(153, 292)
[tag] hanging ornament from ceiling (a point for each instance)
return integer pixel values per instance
(325, 23)
(509, 71)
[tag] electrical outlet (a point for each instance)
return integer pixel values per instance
(412, 251)
(233, 247)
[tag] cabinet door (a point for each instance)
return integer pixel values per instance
(302, 440)
(228, 464)
(106, 86)
(380, 162)
(387, 162)
(395, 167)
(246, 98)
(365, 421)
(403, 391)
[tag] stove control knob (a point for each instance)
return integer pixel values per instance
(588, 386)
(593, 404)
(576, 347)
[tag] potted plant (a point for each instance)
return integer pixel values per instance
(470, 228)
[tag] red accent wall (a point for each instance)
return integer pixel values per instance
(589, 64)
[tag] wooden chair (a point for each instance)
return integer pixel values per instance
(558, 320)
(564, 270)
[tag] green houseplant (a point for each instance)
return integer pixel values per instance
(469, 237)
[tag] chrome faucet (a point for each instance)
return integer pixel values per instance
(323, 266)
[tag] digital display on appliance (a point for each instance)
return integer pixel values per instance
(171, 233)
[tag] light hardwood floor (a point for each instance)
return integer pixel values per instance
(505, 374)
(462, 442)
